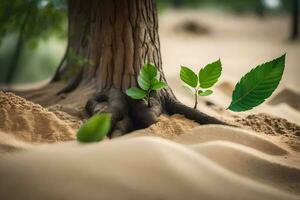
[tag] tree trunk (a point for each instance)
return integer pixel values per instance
(117, 38)
(19, 46)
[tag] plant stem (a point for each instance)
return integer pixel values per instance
(196, 98)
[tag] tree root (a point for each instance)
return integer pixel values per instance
(129, 114)
(190, 113)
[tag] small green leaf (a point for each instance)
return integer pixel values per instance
(144, 84)
(95, 128)
(257, 85)
(205, 93)
(136, 93)
(209, 75)
(188, 76)
(158, 85)
(147, 74)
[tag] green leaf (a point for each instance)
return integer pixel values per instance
(188, 76)
(209, 75)
(205, 93)
(147, 74)
(145, 85)
(95, 128)
(158, 85)
(136, 93)
(257, 85)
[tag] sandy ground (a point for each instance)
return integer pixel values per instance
(175, 158)
(34, 124)
(211, 162)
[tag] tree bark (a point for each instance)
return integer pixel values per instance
(117, 38)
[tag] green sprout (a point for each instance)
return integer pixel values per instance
(148, 81)
(199, 85)
(95, 129)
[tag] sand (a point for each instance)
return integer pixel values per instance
(288, 96)
(172, 126)
(270, 125)
(149, 168)
(175, 158)
(32, 123)
(210, 161)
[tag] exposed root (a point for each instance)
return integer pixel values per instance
(175, 106)
(129, 114)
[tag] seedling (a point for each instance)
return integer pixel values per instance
(95, 128)
(149, 82)
(207, 77)
(257, 85)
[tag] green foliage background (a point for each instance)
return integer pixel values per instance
(43, 26)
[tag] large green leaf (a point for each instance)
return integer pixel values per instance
(157, 85)
(188, 76)
(147, 75)
(257, 85)
(95, 128)
(209, 75)
(136, 93)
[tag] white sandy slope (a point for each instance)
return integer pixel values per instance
(213, 162)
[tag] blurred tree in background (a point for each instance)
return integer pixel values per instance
(23, 25)
(295, 20)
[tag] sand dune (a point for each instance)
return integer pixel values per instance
(216, 132)
(287, 96)
(208, 162)
(250, 163)
(9, 144)
(134, 168)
